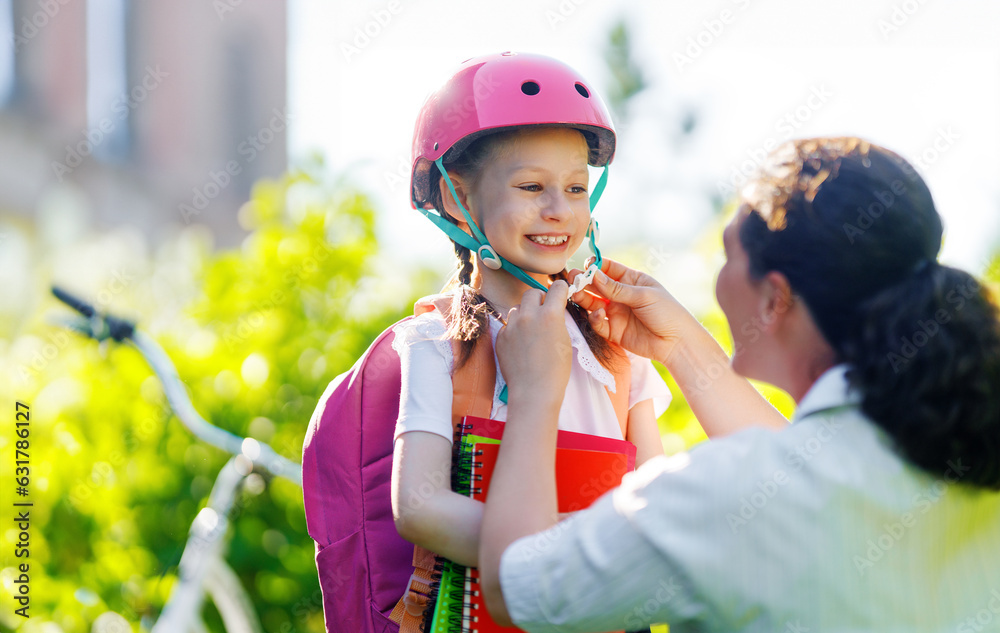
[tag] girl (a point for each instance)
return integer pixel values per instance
(501, 152)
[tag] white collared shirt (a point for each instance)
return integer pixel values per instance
(819, 527)
(427, 365)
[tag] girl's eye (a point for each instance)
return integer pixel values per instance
(578, 189)
(530, 188)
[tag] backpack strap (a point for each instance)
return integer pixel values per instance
(472, 394)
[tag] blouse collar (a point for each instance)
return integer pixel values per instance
(831, 390)
(584, 355)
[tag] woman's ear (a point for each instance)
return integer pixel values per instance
(448, 201)
(776, 300)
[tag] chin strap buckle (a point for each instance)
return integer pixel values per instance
(583, 279)
(489, 257)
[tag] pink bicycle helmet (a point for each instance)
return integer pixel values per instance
(499, 91)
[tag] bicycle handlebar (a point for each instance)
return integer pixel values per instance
(100, 326)
(103, 326)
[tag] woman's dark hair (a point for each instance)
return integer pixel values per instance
(470, 310)
(854, 230)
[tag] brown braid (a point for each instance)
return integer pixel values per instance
(469, 311)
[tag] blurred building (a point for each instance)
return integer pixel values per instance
(154, 114)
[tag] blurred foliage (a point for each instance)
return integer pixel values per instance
(116, 480)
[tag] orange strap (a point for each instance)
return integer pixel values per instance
(409, 611)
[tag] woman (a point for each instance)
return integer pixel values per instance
(876, 510)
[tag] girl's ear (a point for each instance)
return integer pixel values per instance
(448, 201)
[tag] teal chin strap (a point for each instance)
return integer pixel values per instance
(595, 195)
(594, 231)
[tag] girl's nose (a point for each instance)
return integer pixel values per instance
(556, 206)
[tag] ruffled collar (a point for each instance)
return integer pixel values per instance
(584, 355)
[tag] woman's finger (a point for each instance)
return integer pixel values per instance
(589, 301)
(613, 269)
(599, 322)
(586, 300)
(611, 289)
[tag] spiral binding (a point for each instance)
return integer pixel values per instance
(449, 615)
(452, 616)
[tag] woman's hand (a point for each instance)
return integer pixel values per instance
(534, 349)
(633, 310)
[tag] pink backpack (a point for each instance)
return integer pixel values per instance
(365, 567)
(362, 561)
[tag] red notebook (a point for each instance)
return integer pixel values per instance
(587, 466)
(483, 427)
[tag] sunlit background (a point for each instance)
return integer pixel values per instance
(234, 174)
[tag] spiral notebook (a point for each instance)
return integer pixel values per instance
(587, 466)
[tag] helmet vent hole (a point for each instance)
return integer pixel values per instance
(582, 90)
(530, 88)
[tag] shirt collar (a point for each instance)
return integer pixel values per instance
(830, 390)
(584, 356)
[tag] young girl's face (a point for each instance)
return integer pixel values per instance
(531, 200)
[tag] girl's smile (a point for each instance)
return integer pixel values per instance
(551, 241)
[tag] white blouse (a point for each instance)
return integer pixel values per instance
(821, 526)
(428, 362)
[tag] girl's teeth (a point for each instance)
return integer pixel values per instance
(548, 240)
